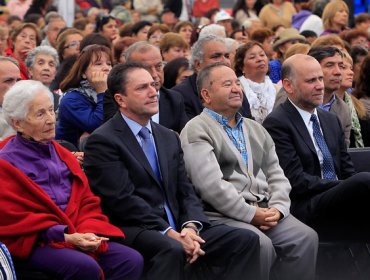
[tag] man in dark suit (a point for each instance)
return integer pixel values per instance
(326, 192)
(136, 166)
(207, 50)
(171, 105)
(331, 61)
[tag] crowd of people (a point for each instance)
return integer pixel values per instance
(155, 139)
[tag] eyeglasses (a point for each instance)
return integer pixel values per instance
(73, 45)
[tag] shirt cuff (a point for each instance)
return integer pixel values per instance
(196, 223)
(165, 231)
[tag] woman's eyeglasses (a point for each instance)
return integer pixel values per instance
(73, 45)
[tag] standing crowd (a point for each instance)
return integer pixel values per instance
(172, 139)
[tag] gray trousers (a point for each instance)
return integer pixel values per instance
(288, 250)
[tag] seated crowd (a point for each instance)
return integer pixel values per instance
(150, 140)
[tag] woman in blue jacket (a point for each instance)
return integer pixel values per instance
(81, 108)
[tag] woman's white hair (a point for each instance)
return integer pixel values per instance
(18, 98)
(47, 50)
(213, 29)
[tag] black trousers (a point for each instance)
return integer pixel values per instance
(230, 253)
(343, 211)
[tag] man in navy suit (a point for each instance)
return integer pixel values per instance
(145, 191)
(326, 193)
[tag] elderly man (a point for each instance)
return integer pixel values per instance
(326, 193)
(54, 24)
(223, 154)
(205, 51)
(171, 112)
(136, 167)
(9, 75)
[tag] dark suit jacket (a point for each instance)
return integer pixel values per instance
(121, 175)
(193, 104)
(171, 109)
(297, 154)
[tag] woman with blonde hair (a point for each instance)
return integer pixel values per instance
(356, 108)
(335, 17)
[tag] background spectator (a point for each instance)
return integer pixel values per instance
(358, 55)
(176, 71)
(18, 7)
(277, 12)
(107, 26)
(68, 43)
(140, 30)
(244, 9)
(173, 46)
(185, 29)
(265, 37)
(54, 24)
(156, 32)
(149, 10)
(23, 40)
(251, 67)
(122, 10)
(335, 17)
(81, 108)
(120, 47)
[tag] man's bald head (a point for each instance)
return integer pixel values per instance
(302, 79)
(292, 64)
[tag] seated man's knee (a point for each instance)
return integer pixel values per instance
(246, 239)
(361, 179)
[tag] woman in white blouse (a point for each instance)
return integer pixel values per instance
(251, 66)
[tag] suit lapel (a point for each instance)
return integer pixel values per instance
(299, 124)
(129, 140)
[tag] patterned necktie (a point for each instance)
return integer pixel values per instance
(150, 153)
(328, 170)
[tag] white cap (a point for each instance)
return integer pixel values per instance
(222, 15)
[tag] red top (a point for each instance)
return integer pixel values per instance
(26, 209)
(22, 66)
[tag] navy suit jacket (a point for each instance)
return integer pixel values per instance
(171, 109)
(121, 175)
(297, 154)
(193, 104)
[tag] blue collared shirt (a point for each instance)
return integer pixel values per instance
(235, 134)
(327, 106)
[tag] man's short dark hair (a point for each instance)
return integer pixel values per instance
(322, 52)
(118, 76)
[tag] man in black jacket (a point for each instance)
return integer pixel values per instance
(171, 105)
(207, 50)
(136, 166)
